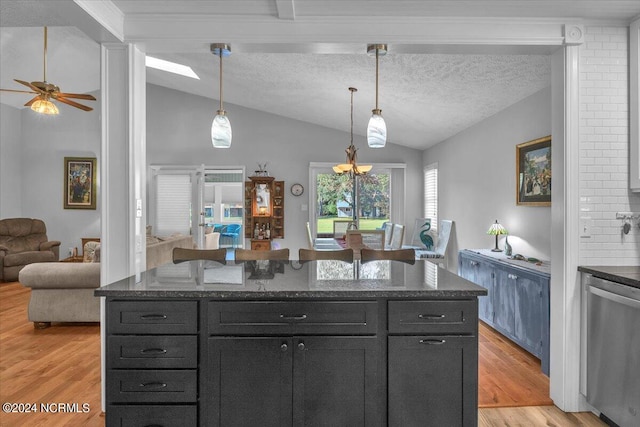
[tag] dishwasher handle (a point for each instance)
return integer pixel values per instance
(634, 303)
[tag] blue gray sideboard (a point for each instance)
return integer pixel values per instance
(517, 304)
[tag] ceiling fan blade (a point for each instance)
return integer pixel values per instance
(76, 95)
(17, 91)
(34, 99)
(29, 85)
(74, 104)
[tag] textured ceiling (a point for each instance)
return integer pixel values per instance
(425, 96)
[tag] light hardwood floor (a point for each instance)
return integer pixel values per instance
(61, 364)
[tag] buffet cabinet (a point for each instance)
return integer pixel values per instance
(517, 304)
(378, 362)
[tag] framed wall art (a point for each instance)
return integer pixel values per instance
(533, 172)
(80, 183)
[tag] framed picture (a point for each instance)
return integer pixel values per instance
(533, 172)
(80, 183)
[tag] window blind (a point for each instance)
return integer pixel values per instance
(431, 194)
(173, 204)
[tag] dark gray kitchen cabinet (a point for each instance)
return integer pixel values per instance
(518, 301)
(433, 373)
(298, 381)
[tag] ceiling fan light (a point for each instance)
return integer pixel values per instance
(377, 130)
(43, 106)
(221, 131)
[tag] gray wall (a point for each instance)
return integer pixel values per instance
(36, 168)
(10, 162)
(179, 128)
(476, 180)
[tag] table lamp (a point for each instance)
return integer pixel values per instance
(496, 229)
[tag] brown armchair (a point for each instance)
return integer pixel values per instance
(24, 241)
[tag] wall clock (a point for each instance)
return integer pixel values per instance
(297, 189)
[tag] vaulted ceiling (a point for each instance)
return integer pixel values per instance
(296, 58)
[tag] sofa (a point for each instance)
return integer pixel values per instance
(24, 241)
(160, 249)
(62, 292)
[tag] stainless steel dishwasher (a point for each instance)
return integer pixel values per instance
(613, 350)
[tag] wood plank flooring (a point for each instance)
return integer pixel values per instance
(61, 364)
(507, 374)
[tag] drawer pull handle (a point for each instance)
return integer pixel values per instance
(293, 316)
(432, 342)
(153, 316)
(430, 316)
(153, 351)
(153, 385)
(284, 347)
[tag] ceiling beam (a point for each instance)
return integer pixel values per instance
(286, 9)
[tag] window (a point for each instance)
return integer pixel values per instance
(431, 194)
(380, 197)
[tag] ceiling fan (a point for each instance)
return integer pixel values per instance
(46, 92)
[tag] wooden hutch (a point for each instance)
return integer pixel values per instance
(264, 211)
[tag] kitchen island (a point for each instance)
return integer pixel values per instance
(275, 343)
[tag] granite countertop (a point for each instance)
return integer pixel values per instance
(626, 275)
(292, 280)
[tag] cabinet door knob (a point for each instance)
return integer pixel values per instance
(301, 346)
(284, 347)
(513, 276)
(474, 263)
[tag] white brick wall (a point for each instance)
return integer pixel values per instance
(604, 155)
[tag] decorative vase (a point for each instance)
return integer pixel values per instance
(508, 250)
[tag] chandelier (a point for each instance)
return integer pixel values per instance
(351, 166)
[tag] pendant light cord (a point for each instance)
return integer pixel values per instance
(377, 54)
(45, 55)
(220, 51)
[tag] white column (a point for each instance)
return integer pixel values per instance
(122, 172)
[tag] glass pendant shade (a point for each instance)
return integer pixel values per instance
(221, 131)
(377, 130)
(44, 106)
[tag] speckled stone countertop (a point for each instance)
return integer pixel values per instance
(627, 275)
(294, 280)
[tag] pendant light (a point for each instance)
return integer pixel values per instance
(351, 166)
(377, 129)
(221, 127)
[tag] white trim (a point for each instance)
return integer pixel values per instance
(106, 13)
(634, 105)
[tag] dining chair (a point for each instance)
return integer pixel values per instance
(396, 237)
(340, 227)
(405, 255)
(232, 232)
(250, 255)
(184, 254)
(439, 253)
(309, 236)
(372, 239)
(339, 254)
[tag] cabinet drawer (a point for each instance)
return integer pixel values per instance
(440, 317)
(286, 318)
(155, 351)
(151, 415)
(171, 386)
(153, 317)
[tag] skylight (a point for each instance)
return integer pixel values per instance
(171, 67)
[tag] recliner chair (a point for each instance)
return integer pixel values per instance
(24, 241)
